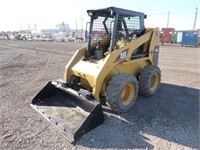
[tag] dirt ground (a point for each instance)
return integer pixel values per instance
(168, 120)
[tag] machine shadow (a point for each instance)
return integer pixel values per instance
(172, 114)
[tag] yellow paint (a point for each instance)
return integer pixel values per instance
(95, 75)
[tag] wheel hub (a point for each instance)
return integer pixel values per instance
(154, 82)
(127, 93)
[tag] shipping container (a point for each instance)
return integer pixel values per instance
(161, 37)
(168, 34)
(175, 38)
(179, 37)
(190, 38)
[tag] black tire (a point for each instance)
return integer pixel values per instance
(149, 80)
(122, 92)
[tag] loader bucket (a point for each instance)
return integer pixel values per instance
(71, 113)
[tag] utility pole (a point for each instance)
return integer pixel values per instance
(195, 19)
(81, 27)
(29, 29)
(168, 19)
(64, 28)
(35, 28)
(76, 28)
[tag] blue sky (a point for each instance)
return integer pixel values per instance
(16, 15)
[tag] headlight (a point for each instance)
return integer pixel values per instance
(90, 14)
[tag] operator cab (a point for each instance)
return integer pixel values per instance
(112, 28)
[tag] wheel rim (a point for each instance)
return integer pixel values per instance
(154, 81)
(127, 94)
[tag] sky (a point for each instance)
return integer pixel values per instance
(20, 14)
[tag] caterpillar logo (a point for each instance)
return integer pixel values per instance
(122, 55)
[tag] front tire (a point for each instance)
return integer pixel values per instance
(122, 92)
(149, 80)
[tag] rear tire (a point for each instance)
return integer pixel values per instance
(149, 80)
(122, 92)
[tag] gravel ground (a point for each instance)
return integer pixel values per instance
(168, 120)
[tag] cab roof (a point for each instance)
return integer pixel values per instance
(112, 11)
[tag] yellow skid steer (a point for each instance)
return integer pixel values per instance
(119, 61)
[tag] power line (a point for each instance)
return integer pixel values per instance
(171, 12)
(182, 12)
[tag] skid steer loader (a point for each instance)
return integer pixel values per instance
(119, 61)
